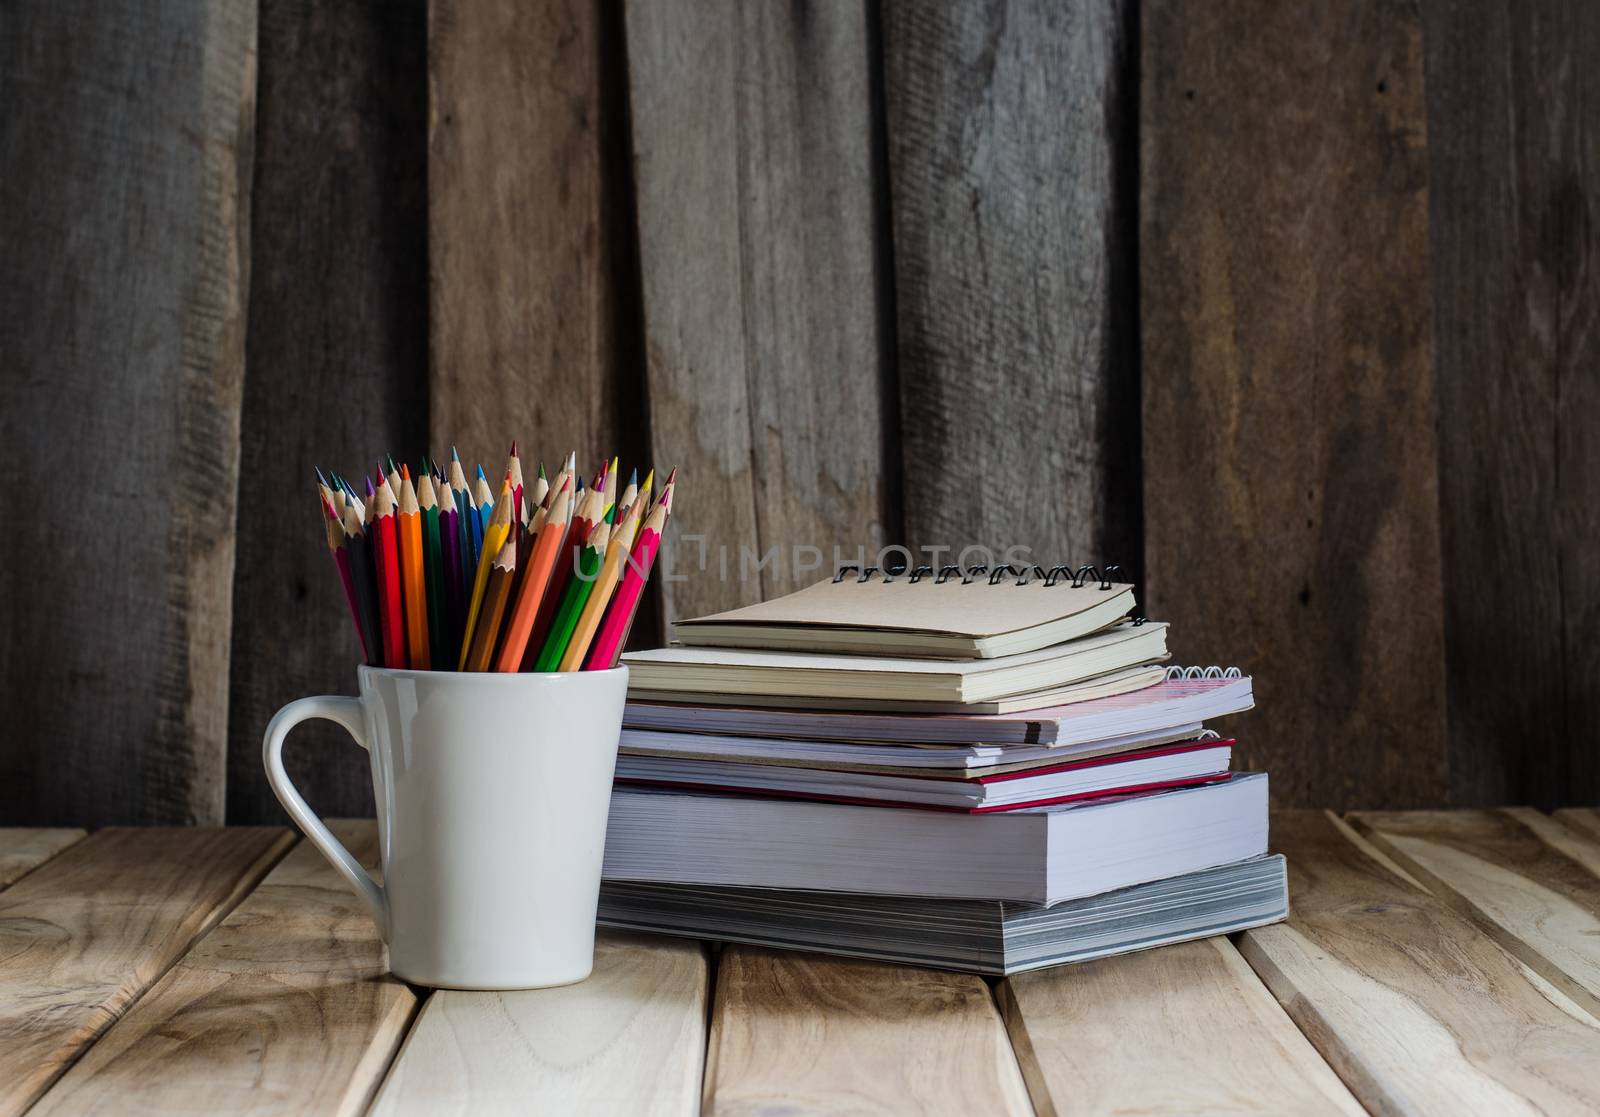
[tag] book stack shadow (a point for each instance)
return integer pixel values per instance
(972, 770)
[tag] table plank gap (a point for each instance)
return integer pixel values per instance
(1530, 883)
(25, 848)
(630, 1039)
(1585, 820)
(287, 1005)
(1211, 1038)
(88, 932)
(801, 1033)
(1414, 1007)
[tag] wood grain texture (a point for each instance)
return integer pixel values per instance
(1585, 820)
(1514, 163)
(23, 849)
(1415, 1008)
(1010, 128)
(85, 935)
(630, 1039)
(529, 234)
(337, 359)
(804, 1034)
(1291, 504)
(1210, 1038)
(287, 1006)
(125, 215)
(1530, 883)
(763, 296)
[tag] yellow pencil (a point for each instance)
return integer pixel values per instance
(495, 535)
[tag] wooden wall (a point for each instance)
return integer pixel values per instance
(1288, 309)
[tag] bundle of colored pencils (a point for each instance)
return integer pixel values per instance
(442, 575)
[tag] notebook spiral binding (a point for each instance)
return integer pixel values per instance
(1055, 575)
(1212, 672)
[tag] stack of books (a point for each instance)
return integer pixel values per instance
(990, 772)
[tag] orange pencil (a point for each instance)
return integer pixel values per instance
(502, 573)
(413, 576)
(547, 550)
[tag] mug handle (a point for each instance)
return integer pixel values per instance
(346, 712)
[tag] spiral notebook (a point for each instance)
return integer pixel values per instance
(715, 674)
(955, 614)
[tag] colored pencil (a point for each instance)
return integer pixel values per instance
(454, 577)
(494, 541)
(482, 502)
(497, 591)
(574, 598)
(642, 497)
(547, 550)
(594, 607)
(563, 475)
(614, 628)
(514, 475)
(538, 491)
(462, 496)
(433, 572)
(386, 562)
(413, 573)
(358, 544)
(629, 495)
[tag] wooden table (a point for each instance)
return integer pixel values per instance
(1436, 962)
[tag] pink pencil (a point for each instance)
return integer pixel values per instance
(613, 633)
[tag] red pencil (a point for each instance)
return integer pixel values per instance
(613, 633)
(386, 557)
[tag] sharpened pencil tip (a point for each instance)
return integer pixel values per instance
(513, 447)
(542, 476)
(481, 477)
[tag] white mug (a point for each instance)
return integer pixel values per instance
(493, 791)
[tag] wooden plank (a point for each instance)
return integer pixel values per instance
(1010, 129)
(1289, 446)
(763, 300)
(1585, 820)
(23, 849)
(84, 936)
(124, 210)
(338, 358)
(1210, 1038)
(1512, 150)
(1530, 883)
(800, 1033)
(1415, 1008)
(630, 1039)
(287, 1006)
(529, 232)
